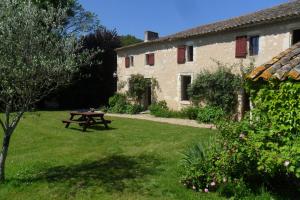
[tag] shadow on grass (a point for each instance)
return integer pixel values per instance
(92, 129)
(112, 174)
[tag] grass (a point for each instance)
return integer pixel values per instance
(134, 159)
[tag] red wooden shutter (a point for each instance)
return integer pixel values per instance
(127, 62)
(181, 54)
(151, 59)
(241, 47)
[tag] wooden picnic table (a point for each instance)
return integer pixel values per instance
(87, 119)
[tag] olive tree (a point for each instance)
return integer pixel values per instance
(37, 56)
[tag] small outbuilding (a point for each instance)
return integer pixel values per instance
(282, 67)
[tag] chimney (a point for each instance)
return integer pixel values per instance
(149, 35)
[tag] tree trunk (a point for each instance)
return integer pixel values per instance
(3, 156)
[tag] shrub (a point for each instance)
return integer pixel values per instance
(119, 104)
(194, 171)
(138, 87)
(160, 109)
(209, 114)
(190, 112)
(259, 151)
(216, 89)
(134, 109)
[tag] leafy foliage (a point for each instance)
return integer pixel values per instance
(160, 109)
(37, 55)
(138, 87)
(209, 114)
(216, 88)
(190, 112)
(195, 166)
(94, 83)
(261, 150)
(119, 104)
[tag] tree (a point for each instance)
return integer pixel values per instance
(37, 56)
(129, 40)
(78, 20)
(94, 83)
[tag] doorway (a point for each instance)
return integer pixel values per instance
(148, 96)
(186, 81)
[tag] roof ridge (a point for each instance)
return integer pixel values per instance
(232, 18)
(268, 15)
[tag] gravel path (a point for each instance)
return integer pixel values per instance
(183, 122)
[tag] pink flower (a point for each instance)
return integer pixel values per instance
(206, 190)
(286, 163)
(242, 136)
(194, 187)
(224, 180)
(213, 183)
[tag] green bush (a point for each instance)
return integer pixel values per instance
(161, 109)
(138, 85)
(263, 150)
(216, 89)
(134, 108)
(194, 171)
(209, 114)
(119, 104)
(190, 112)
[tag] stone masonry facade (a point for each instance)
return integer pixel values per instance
(273, 38)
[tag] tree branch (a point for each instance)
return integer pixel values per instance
(16, 121)
(2, 125)
(7, 114)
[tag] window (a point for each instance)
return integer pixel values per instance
(181, 54)
(185, 83)
(150, 59)
(296, 36)
(253, 45)
(127, 62)
(241, 47)
(190, 53)
(131, 61)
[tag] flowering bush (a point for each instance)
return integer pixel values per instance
(261, 150)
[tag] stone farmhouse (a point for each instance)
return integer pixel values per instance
(175, 60)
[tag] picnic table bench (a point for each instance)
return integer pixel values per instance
(87, 119)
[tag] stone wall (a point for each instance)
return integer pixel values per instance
(221, 47)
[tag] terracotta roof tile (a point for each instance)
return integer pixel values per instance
(285, 65)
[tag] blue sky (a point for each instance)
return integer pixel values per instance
(168, 16)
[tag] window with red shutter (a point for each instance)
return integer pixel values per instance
(150, 59)
(127, 62)
(181, 54)
(241, 47)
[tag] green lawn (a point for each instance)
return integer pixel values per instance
(135, 159)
